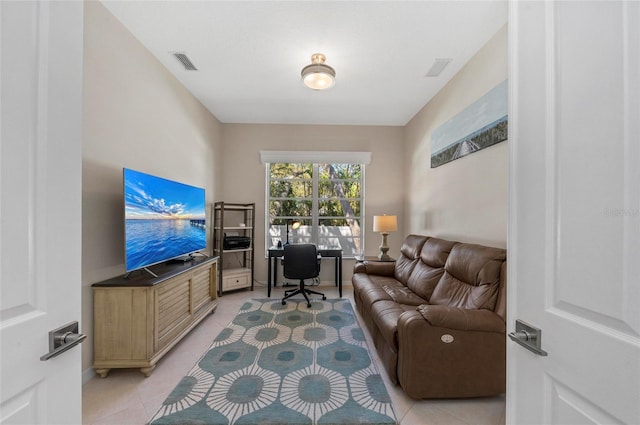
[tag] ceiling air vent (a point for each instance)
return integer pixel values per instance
(438, 66)
(185, 61)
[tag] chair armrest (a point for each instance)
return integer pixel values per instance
(462, 319)
(381, 269)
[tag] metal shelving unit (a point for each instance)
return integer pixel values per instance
(236, 265)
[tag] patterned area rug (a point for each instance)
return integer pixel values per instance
(290, 364)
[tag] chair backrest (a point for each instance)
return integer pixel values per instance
(301, 261)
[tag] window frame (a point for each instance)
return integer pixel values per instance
(316, 199)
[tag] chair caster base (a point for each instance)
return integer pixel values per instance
(309, 305)
(324, 298)
(284, 303)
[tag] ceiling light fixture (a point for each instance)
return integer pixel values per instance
(318, 75)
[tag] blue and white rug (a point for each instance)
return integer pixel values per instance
(283, 364)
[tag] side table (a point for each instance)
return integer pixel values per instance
(372, 259)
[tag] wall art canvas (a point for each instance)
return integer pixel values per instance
(480, 125)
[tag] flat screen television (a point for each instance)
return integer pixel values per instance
(164, 220)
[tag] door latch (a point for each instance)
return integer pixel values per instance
(529, 337)
(62, 339)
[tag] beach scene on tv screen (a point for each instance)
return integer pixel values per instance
(164, 219)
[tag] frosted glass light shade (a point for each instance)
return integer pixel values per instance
(318, 75)
(318, 80)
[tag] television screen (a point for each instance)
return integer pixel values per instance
(164, 219)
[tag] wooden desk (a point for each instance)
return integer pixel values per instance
(275, 253)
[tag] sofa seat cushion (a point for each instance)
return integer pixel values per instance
(371, 288)
(403, 295)
(363, 283)
(385, 315)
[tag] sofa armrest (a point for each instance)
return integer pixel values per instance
(381, 269)
(440, 361)
(462, 319)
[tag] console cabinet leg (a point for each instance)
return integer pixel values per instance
(103, 372)
(146, 371)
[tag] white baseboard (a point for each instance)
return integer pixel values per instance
(87, 375)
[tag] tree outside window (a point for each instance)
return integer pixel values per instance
(326, 198)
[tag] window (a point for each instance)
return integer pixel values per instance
(326, 198)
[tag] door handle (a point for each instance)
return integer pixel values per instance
(529, 337)
(62, 339)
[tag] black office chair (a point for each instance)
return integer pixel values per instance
(301, 262)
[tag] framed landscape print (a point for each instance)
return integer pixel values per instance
(480, 125)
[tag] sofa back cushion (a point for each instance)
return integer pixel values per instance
(471, 278)
(429, 270)
(409, 256)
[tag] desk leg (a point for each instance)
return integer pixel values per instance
(340, 276)
(275, 272)
(269, 277)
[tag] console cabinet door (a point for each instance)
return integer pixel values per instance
(203, 289)
(120, 332)
(173, 312)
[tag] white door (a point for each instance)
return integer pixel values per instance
(574, 235)
(40, 208)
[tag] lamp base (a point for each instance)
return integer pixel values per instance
(384, 257)
(384, 248)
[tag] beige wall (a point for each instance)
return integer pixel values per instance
(244, 176)
(465, 199)
(136, 115)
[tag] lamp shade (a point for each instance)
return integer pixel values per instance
(385, 223)
(294, 225)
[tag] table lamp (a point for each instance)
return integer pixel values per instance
(384, 224)
(294, 225)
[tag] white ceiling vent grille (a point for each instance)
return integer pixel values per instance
(185, 61)
(438, 66)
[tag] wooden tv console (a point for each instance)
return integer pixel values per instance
(138, 319)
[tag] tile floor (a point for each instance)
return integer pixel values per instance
(127, 397)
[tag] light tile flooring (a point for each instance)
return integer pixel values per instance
(127, 397)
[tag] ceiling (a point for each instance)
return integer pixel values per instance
(249, 54)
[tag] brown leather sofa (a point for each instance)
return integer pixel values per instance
(437, 317)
